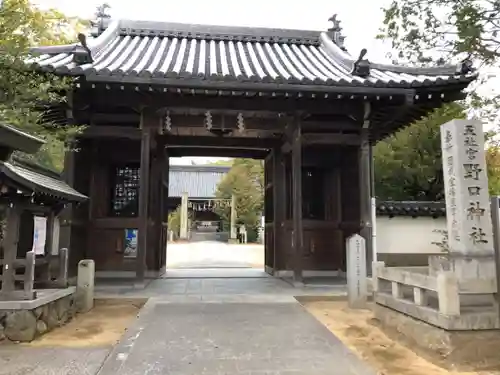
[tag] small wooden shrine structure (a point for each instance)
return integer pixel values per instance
(28, 190)
(297, 99)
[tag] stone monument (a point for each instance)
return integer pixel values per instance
(452, 301)
(357, 288)
(470, 233)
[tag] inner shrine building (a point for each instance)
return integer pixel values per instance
(148, 91)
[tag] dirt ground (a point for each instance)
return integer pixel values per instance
(357, 330)
(102, 326)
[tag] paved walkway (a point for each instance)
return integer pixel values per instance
(252, 337)
(206, 321)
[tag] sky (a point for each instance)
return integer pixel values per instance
(360, 19)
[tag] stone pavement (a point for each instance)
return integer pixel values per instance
(222, 337)
(24, 360)
(205, 284)
(206, 321)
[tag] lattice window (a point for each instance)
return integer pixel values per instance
(125, 193)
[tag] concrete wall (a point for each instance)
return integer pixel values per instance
(407, 241)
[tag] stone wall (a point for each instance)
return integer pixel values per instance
(25, 325)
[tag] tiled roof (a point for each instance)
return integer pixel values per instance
(411, 208)
(167, 53)
(198, 181)
(40, 183)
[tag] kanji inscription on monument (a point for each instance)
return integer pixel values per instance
(357, 288)
(466, 187)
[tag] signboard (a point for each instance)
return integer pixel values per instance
(357, 287)
(130, 243)
(39, 234)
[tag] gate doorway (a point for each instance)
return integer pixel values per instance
(208, 233)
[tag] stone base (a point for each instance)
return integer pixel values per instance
(456, 350)
(25, 323)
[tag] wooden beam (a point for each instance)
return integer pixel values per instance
(309, 139)
(222, 142)
(262, 105)
(110, 131)
(228, 120)
(297, 201)
(217, 152)
(147, 127)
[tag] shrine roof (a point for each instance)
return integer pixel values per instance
(31, 178)
(14, 139)
(194, 56)
(198, 181)
(411, 208)
(28, 175)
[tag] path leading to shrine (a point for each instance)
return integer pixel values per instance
(204, 321)
(250, 336)
(208, 254)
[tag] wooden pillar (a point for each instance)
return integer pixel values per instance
(49, 240)
(147, 124)
(155, 248)
(164, 207)
(279, 207)
(297, 238)
(66, 216)
(365, 189)
(11, 239)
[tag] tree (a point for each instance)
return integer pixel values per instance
(426, 30)
(408, 165)
(446, 31)
(245, 180)
(24, 93)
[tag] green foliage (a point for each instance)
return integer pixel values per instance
(245, 180)
(408, 165)
(426, 30)
(448, 31)
(174, 221)
(22, 91)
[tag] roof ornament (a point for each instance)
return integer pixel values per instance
(208, 120)
(361, 67)
(82, 54)
(167, 122)
(465, 66)
(240, 122)
(336, 32)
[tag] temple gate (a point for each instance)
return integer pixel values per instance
(296, 99)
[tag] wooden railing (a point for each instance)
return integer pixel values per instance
(29, 264)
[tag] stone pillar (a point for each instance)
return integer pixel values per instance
(357, 286)
(184, 217)
(85, 285)
(233, 218)
(470, 233)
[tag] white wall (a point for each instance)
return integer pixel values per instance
(407, 235)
